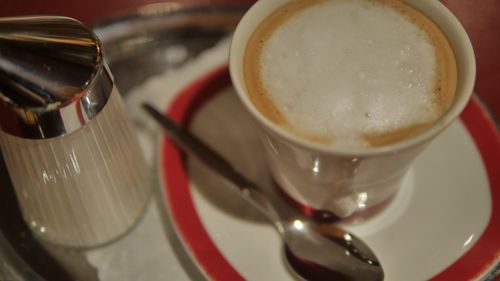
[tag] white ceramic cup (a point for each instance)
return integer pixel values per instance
(342, 181)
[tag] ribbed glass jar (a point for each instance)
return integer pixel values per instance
(85, 188)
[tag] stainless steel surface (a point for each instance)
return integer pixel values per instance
(339, 255)
(52, 76)
(141, 41)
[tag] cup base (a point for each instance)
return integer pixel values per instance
(326, 216)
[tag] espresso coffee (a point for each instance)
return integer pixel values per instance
(350, 73)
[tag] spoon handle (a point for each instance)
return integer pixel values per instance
(189, 142)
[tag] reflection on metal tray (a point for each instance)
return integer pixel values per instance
(135, 45)
(141, 41)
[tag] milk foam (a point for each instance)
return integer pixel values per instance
(348, 68)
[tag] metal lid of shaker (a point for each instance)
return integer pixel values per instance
(53, 79)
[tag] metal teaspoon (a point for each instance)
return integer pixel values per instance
(315, 250)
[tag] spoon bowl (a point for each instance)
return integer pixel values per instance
(322, 251)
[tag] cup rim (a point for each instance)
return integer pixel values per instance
(458, 105)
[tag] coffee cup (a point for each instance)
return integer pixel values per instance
(349, 92)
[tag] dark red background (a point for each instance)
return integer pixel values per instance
(480, 19)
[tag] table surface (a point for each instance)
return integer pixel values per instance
(478, 17)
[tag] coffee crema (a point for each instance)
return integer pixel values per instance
(350, 73)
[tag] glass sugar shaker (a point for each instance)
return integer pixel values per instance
(70, 149)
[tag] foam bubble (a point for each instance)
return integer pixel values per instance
(348, 68)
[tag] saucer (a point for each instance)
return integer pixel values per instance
(443, 224)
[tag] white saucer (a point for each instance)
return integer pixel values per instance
(442, 225)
